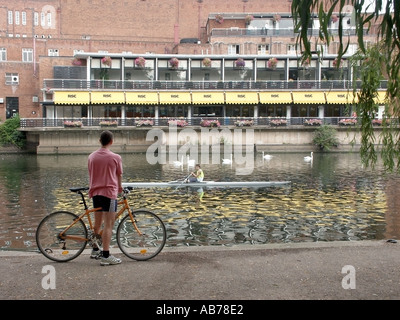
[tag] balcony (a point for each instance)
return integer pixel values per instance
(274, 32)
(76, 84)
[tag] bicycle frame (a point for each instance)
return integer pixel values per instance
(88, 211)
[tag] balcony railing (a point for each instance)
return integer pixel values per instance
(274, 32)
(163, 122)
(71, 84)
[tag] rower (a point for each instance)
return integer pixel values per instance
(197, 176)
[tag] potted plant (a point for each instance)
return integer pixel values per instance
(249, 18)
(73, 124)
(140, 62)
(206, 62)
(240, 63)
(337, 63)
(219, 18)
(173, 63)
(210, 123)
(107, 123)
(272, 63)
(106, 61)
(276, 18)
(77, 62)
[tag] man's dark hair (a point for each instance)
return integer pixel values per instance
(106, 137)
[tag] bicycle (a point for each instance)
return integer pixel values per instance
(62, 236)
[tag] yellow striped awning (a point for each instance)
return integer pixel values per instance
(242, 97)
(381, 98)
(141, 97)
(340, 97)
(175, 97)
(309, 97)
(107, 97)
(208, 97)
(71, 97)
(275, 97)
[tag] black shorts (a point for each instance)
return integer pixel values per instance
(107, 204)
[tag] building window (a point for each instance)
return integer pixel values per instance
(49, 19)
(17, 17)
(27, 55)
(42, 19)
(12, 78)
(53, 52)
(263, 49)
(10, 17)
(291, 49)
(233, 49)
(23, 18)
(36, 19)
(3, 54)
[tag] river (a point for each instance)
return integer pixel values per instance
(333, 198)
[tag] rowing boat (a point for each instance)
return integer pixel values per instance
(206, 184)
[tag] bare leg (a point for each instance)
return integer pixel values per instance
(109, 219)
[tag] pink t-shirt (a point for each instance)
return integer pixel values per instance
(104, 167)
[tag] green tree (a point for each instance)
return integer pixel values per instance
(325, 138)
(376, 63)
(9, 134)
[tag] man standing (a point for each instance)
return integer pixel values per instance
(105, 182)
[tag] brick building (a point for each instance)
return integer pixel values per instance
(51, 48)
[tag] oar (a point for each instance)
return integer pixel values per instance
(184, 180)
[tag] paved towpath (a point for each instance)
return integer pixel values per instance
(305, 271)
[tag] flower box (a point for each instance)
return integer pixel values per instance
(312, 122)
(144, 123)
(278, 123)
(108, 124)
(348, 122)
(210, 123)
(73, 124)
(177, 123)
(244, 123)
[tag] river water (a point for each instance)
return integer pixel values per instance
(333, 198)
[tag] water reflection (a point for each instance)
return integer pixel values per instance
(332, 198)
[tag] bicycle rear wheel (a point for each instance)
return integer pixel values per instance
(147, 240)
(55, 247)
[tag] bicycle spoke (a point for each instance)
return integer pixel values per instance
(56, 243)
(143, 239)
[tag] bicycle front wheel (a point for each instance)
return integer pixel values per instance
(58, 243)
(143, 238)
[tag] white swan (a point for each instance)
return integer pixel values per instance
(266, 156)
(190, 162)
(309, 158)
(227, 161)
(178, 163)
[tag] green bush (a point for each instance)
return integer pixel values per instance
(325, 137)
(9, 134)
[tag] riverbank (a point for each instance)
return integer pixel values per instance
(352, 270)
